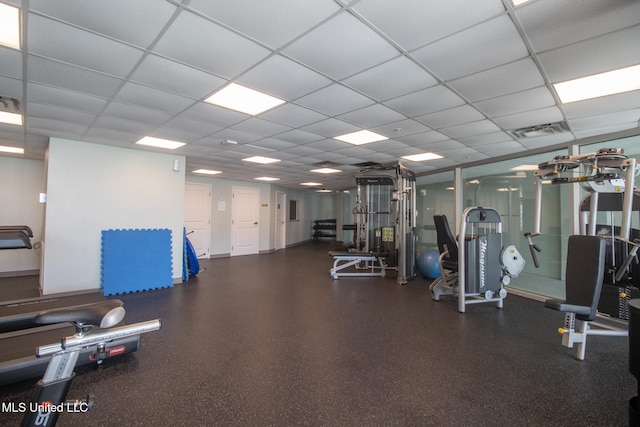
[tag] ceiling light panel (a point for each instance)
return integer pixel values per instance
(422, 157)
(240, 98)
(325, 170)
(10, 118)
(207, 171)
(603, 84)
(267, 178)
(361, 137)
(160, 143)
(9, 26)
(14, 150)
(261, 160)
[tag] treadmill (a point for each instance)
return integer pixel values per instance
(20, 336)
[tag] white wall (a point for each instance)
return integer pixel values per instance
(311, 207)
(93, 187)
(21, 181)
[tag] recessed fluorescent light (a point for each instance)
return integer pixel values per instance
(10, 118)
(160, 143)
(9, 26)
(243, 99)
(518, 2)
(14, 150)
(525, 168)
(609, 83)
(422, 157)
(262, 160)
(323, 191)
(311, 184)
(267, 178)
(207, 171)
(508, 189)
(325, 170)
(360, 137)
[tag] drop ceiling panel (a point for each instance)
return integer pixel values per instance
(137, 22)
(551, 24)
(236, 135)
(136, 94)
(129, 126)
(469, 129)
(451, 117)
(10, 63)
(487, 138)
(273, 144)
(74, 46)
(54, 96)
(261, 127)
(211, 113)
(423, 138)
(594, 131)
(334, 100)
(349, 45)
(605, 120)
(134, 112)
(401, 128)
(60, 113)
(11, 88)
(514, 77)
(298, 136)
(283, 78)
(48, 72)
(328, 145)
(531, 99)
(293, 115)
(530, 118)
(501, 148)
(215, 49)
(602, 105)
(371, 116)
(330, 128)
(380, 83)
(426, 101)
(593, 56)
(486, 45)
(300, 150)
(402, 19)
(172, 76)
(194, 127)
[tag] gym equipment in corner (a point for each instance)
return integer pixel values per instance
(584, 276)
(49, 398)
(476, 267)
(634, 358)
(384, 230)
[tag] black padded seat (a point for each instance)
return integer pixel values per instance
(446, 243)
(584, 276)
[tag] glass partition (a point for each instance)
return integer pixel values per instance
(510, 188)
(434, 196)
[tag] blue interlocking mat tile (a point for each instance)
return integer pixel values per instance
(135, 260)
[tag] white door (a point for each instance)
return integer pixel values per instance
(197, 217)
(245, 213)
(281, 209)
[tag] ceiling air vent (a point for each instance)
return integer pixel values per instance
(367, 164)
(540, 130)
(327, 164)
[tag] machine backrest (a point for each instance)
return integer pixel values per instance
(446, 241)
(585, 272)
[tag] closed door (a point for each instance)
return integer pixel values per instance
(197, 217)
(245, 231)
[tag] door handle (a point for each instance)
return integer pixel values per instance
(255, 223)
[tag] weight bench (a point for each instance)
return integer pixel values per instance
(584, 277)
(359, 260)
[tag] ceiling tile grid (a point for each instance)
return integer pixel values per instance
(446, 77)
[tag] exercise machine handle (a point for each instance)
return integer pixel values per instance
(625, 265)
(533, 248)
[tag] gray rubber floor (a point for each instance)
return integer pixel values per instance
(271, 340)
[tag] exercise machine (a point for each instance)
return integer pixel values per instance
(15, 237)
(384, 225)
(49, 398)
(475, 268)
(608, 176)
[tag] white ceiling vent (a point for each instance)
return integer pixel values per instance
(540, 130)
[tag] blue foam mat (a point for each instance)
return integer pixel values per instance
(136, 260)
